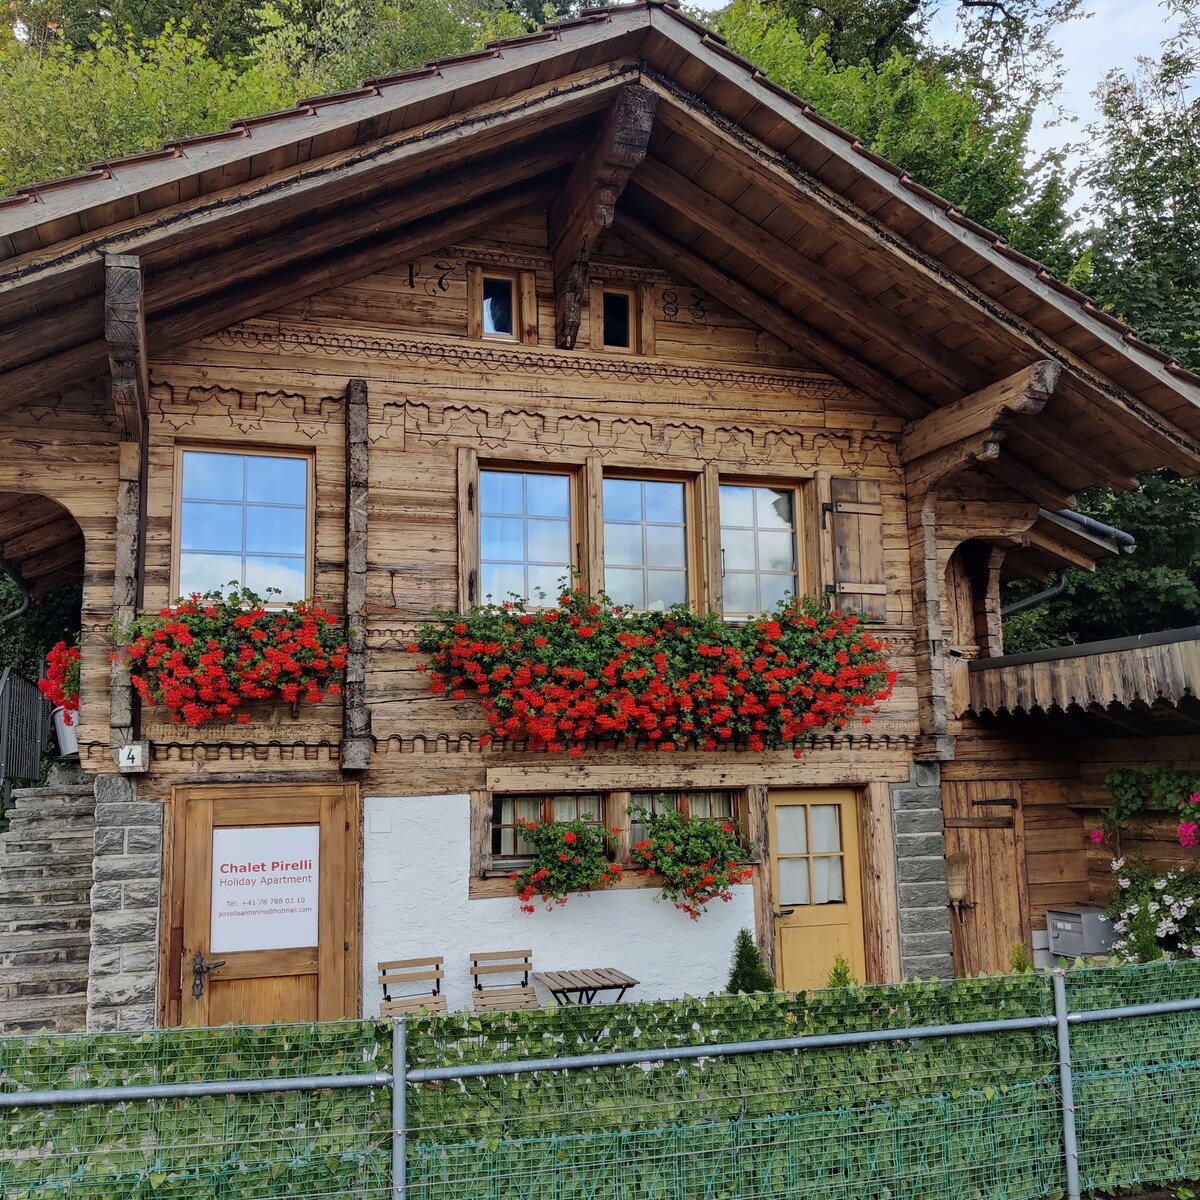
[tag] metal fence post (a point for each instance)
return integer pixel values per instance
(1066, 1083)
(399, 1110)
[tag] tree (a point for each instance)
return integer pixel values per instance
(911, 112)
(748, 973)
(25, 639)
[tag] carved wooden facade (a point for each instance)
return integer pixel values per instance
(801, 315)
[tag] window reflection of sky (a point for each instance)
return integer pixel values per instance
(244, 520)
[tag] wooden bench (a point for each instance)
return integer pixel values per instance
(505, 996)
(404, 972)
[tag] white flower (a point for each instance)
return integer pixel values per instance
(1153, 906)
(1196, 951)
(1160, 884)
(1123, 882)
(1117, 863)
(1166, 926)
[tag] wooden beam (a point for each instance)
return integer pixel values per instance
(987, 411)
(356, 716)
(1024, 480)
(788, 328)
(1086, 455)
(848, 307)
(1060, 550)
(127, 554)
(588, 202)
(125, 333)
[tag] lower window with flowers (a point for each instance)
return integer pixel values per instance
(689, 844)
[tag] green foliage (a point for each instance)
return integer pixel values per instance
(748, 973)
(841, 976)
(1155, 588)
(975, 1116)
(1020, 962)
(572, 856)
(1155, 914)
(697, 857)
(25, 640)
(914, 112)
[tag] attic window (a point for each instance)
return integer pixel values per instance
(499, 306)
(618, 320)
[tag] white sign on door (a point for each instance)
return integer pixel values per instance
(264, 888)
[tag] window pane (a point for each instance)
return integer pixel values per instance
(737, 551)
(547, 583)
(774, 507)
(741, 594)
(827, 880)
(714, 805)
(664, 502)
(793, 881)
(737, 505)
(501, 492)
(616, 319)
(502, 538)
(826, 831)
(772, 589)
(664, 545)
(498, 306)
(623, 544)
(208, 572)
(549, 541)
(622, 500)
(211, 527)
(498, 581)
(212, 476)
(664, 588)
(624, 587)
(271, 530)
(286, 574)
(791, 836)
(549, 495)
(276, 480)
(776, 552)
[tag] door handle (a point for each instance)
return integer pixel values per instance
(785, 912)
(199, 969)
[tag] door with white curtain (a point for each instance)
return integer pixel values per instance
(815, 885)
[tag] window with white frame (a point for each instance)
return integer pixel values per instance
(700, 805)
(524, 535)
(758, 547)
(244, 518)
(645, 543)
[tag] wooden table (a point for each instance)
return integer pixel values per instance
(582, 987)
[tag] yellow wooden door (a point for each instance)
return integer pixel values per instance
(815, 883)
(268, 892)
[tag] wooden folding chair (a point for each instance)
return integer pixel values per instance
(406, 971)
(504, 996)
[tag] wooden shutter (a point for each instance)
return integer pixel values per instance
(854, 525)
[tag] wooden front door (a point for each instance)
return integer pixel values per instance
(267, 899)
(983, 828)
(815, 882)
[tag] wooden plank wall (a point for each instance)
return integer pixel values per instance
(716, 393)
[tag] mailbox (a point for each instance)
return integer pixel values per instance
(1074, 932)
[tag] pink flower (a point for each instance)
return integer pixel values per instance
(1097, 835)
(1194, 798)
(1189, 833)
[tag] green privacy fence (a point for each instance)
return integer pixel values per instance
(973, 1114)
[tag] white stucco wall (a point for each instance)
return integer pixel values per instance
(416, 871)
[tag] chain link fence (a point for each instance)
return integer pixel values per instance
(1010, 1088)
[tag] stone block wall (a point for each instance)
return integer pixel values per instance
(924, 902)
(127, 874)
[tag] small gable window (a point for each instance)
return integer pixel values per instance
(499, 306)
(618, 320)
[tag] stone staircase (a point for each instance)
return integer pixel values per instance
(45, 905)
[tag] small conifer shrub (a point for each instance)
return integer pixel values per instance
(841, 975)
(749, 973)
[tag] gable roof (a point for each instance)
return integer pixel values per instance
(826, 244)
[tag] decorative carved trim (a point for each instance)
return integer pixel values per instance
(514, 358)
(180, 407)
(602, 268)
(552, 433)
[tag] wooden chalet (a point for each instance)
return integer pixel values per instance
(608, 264)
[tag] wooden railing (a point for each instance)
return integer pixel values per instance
(24, 728)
